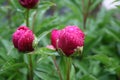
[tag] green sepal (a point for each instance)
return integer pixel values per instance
(35, 42)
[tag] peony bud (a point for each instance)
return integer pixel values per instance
(29, 4)
(54, 37)
(23, 39)
(68, 39)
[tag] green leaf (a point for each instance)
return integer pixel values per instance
(88, 77)
(7, 44)
(44, 5)
(43, 35)
(95, 3)
(72, 73)
(10, 65)
(113, 34)
(15, 5)
(63, 67)
(108, 61)
(118, 70)
(44, 52)
(91, 43)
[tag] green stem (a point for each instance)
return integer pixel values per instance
(85, 12)
(58, 70)
(30, 65)
(68, 61)
(27, 17)
(30, 68)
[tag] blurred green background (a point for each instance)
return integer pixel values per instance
(100, 59)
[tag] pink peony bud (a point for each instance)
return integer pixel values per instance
(28, 3)
(54, 37)
(67, 39)
(23, 39)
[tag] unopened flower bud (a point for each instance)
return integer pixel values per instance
(29, 4)
(68, 39)
(23, 38)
